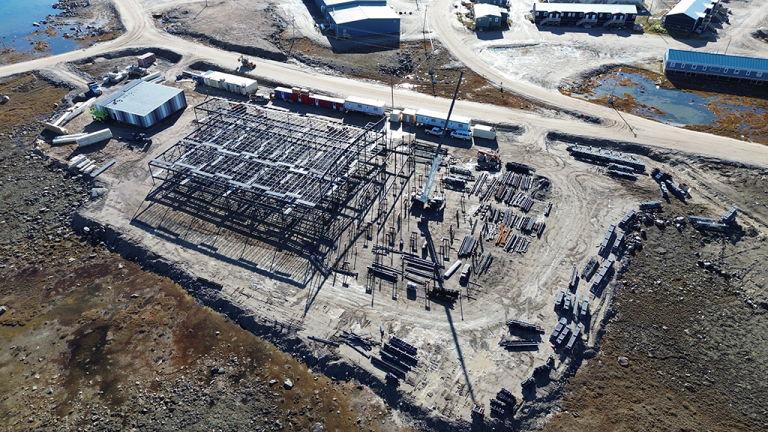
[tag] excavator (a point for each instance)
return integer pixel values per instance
(246, 62)
(488, 161)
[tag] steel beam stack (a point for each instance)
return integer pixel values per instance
(606, 157)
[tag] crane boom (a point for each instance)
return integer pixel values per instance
(424, 198)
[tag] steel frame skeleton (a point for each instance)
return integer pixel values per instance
(287, 169)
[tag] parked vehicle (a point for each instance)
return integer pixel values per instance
(434, 131)
(462, 135)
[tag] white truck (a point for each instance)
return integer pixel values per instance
(434, 131)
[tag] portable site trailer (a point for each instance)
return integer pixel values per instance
(323, 101)
(434, 118)
(482, 131)
(365, 106)
(464, 277)
(231, 83)
(395, 116)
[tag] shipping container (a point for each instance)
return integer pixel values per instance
(366, 106)
(145, 60)
(482, 131)
(282, 93)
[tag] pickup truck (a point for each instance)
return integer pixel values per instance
(434, 131)
(259, 98)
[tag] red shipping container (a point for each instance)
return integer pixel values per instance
(145, 60)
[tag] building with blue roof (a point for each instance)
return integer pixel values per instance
(690, 15)
(750, 70)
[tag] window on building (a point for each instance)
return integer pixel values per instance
(694, 67)
(682, 65)
(725, 70)
(736, 71)
(704, 68)
(759, 74)
(672, 64)
(748, 73)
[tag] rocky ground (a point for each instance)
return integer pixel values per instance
(687, 341)
(92, 342)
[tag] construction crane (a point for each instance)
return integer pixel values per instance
(424, 198)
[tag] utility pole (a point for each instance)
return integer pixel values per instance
(392, 86)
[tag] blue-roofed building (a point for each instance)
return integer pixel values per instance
(720, 66)
(141, 103)
(690, 15)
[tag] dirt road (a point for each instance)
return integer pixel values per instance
(140, 32)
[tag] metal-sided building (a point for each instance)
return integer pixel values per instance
(719, 66)
(327, 6)
(690, 15)
(358, 21)
(141, 103)
(500, 3)
(488, 15)
(577, 14)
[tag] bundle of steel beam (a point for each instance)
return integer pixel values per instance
(382, 273)
(627, 219)
(664, 191)
(507, 397)
(589, 269)
(676, 190)
(325, 341)
(489, 190)
(729, 217)
(607, 241)
(606, 157)
(403, 345)
(602, 276)
(468, 246)
(479, 184)
(444, 294)
(518, 167)
(461, 171)
(383, 365)
(395, 361)
(650, 205)
(548, 210)
(519, 344)
(422, 274)
(386, 268)
(420, 261)
(621, 174)
(622, 168)
(524, 325)
(539, 227)
(574, 277)
(352, 337)
(400, 353)
(486, 264)
(711, 226)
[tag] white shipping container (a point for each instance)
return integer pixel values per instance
(482, 131)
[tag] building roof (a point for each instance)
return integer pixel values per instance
(234, 79)
(139, 97)
(339, 4)
(722, 60)
(483, 10)
(364, 101)
(362, 13)
(693, 8)
(442, 116)
(585, 8)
